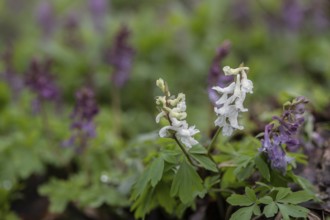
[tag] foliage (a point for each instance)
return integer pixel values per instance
(126, 166)
(273, 200)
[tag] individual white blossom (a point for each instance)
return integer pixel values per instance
(230, 104)
(174, 109)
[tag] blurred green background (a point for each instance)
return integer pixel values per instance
(286, 44)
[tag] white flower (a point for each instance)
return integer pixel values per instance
(178, 126)
(231, 102)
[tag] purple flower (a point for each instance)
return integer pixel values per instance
(292, 14)
(216, 77)
(271, 145)
(240, 12)
(285, 135)
(40, 80)
(82, 125)
(98, 10)
(318, 14)
(120, 57)
(45, 17)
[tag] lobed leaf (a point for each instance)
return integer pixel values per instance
(282, 192)
(239, 200)
(270, 210)
(262, 167)
(205, 162)
(187, 184)
(250, 194)
(297, 197)
(243, 213)
(293, 211)
(266, 200)
(156, 171)
(198, 149)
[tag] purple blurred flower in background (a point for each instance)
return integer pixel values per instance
(285, 135)
(319, 14)
(40, 80)
(292, 14)
(82, 125)
(120, 57)
(216, 77)
(241, 13)
(15, 81)
(98, 10)
(46, 17)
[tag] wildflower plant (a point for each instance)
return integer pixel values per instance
(187, 170)
(40, 80)
(284, 137)
(82, 125)
(231, 102)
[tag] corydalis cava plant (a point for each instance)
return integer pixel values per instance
(174, 110)
(41, 81)
(284, 134)
(230, 104)
(120, 57)
(82, 126)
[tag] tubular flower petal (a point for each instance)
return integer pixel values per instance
(174, 110)
(230, 103)
(285, 135)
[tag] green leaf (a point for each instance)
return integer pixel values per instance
(211, 181)
(256, 210)
(144, 203)
(282, 192)
(187, 184)
(266, 200)
(243, 214)
(164, 198)
(270, 210)
(170, 156)
(262, 167)
(293, 211)
(141, 184)
(152, 173)
(250, 194)
(156, 171)
(239, 200)
(198, 149)
(243, 172)
(297, 197)
(304, 183)
(205, 162)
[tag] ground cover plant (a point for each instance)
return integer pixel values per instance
(164, 110)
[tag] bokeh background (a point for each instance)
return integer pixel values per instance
(117, 49)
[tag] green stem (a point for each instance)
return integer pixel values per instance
(228, 212)
(183, 150)
(210, 148)
(44, 119)
(116, 104)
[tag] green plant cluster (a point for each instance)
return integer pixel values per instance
(131, 168)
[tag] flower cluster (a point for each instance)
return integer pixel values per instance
(120, 57)
(174, 110)
(284, 135)
(98, 10)
(230, 104)
(216, 77)
(40, 80)
(82, 126)
(46, 17)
